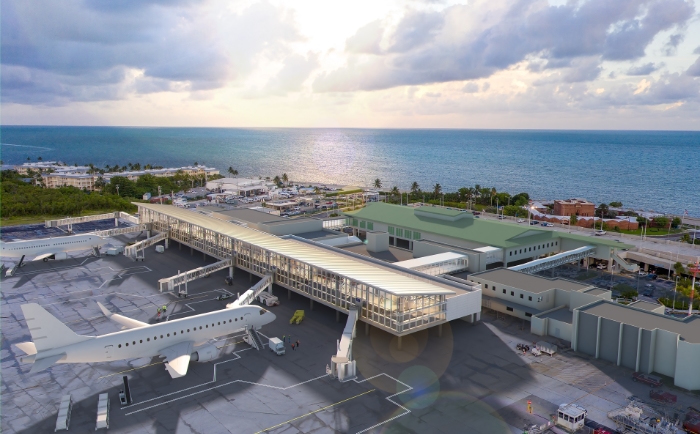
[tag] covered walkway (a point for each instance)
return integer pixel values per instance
(397, 300)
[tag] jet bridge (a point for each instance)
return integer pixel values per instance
(555, 260)
(132, 250)
(251, 294)
(121, 231)
(169, 283)
(342, 366)
(70, 221)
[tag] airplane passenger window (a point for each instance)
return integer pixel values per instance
(155, 338)
(181, 332)
(148, 340)
(206, 326)
(188, 330)
(134, 343)
(168, 334)
(236, 319)
(120, 345)
(161, 336)
(127, 344)
(219, 323)
(200, 327)
(174, 333)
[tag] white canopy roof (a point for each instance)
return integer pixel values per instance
(385, 278)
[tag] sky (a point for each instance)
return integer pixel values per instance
(505, 64)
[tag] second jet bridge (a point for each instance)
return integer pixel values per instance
(170, 283)
(342, 366)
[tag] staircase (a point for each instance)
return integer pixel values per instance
(632, 268)
(254, 339)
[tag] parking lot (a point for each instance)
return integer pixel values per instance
(470, 379)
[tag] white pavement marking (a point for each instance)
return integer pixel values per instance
(388, 398)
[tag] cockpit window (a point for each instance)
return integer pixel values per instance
(263, 311)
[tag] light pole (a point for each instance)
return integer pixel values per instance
(117, 189)
(675, 289)
(695, 270)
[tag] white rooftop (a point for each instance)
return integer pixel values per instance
(390, 280)
(430, 260)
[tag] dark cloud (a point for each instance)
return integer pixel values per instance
(672, 43)
(474, 41)
(167, 44)
(696, 50)
(644, 69)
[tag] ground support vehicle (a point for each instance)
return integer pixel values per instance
(646, 379)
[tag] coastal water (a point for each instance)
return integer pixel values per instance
(650, 170)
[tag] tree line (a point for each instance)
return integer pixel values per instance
(21, 199)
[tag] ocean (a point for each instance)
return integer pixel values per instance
(649, 170)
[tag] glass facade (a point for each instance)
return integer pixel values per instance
(396, 314)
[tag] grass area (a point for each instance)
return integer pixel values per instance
(623, 287)
(36, 219)
(651, 232)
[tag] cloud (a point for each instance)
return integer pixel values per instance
(672, 43)
(133, 47)
(694, 70)
(295, 71)
(466, 42)
(367, 39)
(644, 69)
(470, 87)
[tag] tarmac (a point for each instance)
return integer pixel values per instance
(470, 379)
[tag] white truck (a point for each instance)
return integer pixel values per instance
(268, 299)
(276, 346)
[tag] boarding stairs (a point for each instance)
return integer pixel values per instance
(170, 283)
(632, 268)
(250, 295)
(342, 366)
(12, 270)
(253, 339)
(132, 250)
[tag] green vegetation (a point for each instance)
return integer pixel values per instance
(21, 201)
(680, 304)
(343, 192)
(585, 275)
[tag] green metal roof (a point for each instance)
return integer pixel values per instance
(487, 232)
(439, 210)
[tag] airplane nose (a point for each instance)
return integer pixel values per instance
(272, 316)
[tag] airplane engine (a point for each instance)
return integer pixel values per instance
(205, 354)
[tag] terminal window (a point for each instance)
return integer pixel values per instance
(416, 236)
(529, 298)
(370, 226)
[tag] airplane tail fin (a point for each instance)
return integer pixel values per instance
(47, 331)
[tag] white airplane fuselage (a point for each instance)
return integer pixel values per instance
(150, 340)
(44, 246)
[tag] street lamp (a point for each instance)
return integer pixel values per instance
(117, 189)
(675, 289)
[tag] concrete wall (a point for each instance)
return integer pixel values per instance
(687, 366)
(496, 305)
(538, 326)
(463, 305)
(562, 297)
(586, 333)
(629, 346)
(292, 227)
(377, 241)
(559, 329)
(645, 352)
(474, 263)
(609, 337)
(578, 299)
(548, 297)
(666, 351)
(532, 250)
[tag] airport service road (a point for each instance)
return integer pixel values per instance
(469, 380)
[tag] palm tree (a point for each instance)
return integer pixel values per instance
(415, 188)
(285, 178)
(232, 171)
(377, 183)
(39, 159)
(196, 163)
(100, 183)
(437, 189)
(493, 193)
(277, 180)
(395, 191)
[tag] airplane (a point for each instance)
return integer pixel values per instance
(177, 341)
(49, 248)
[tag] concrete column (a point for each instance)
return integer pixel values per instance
(639, 349)
(311, 304)
(646, 268)
(337, 316)
(619, 345)
(116, 222)
(230, 272)
(652, 351)
(440, 330)
(399, 343)
(597, 337)
(167, 243)
(574, 330)
(148, 233)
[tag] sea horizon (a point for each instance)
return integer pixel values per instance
(653, 170)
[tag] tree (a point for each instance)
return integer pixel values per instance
(415, 188)
(377, 183)
(39, 159)
(493, 193)
(437, 189)
(232, 171)
(463, 193)
(679, 269)
(285, 178)
(661, 221)
(100, 183)
(395, 191)
(196, 163)
(277, 180)
(29, 158)
(676, 222)
(617, 204)
(573, 219)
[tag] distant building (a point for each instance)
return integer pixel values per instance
(578, 207)
(62, 179)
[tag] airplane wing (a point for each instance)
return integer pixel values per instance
(126, 322)
(41, 364)
(43, 256)
(177, 358)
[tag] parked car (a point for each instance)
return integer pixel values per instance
(521, 220)
(500, 217)
(549, 225)
(646, 379)
(599, 233)
(534, 222)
